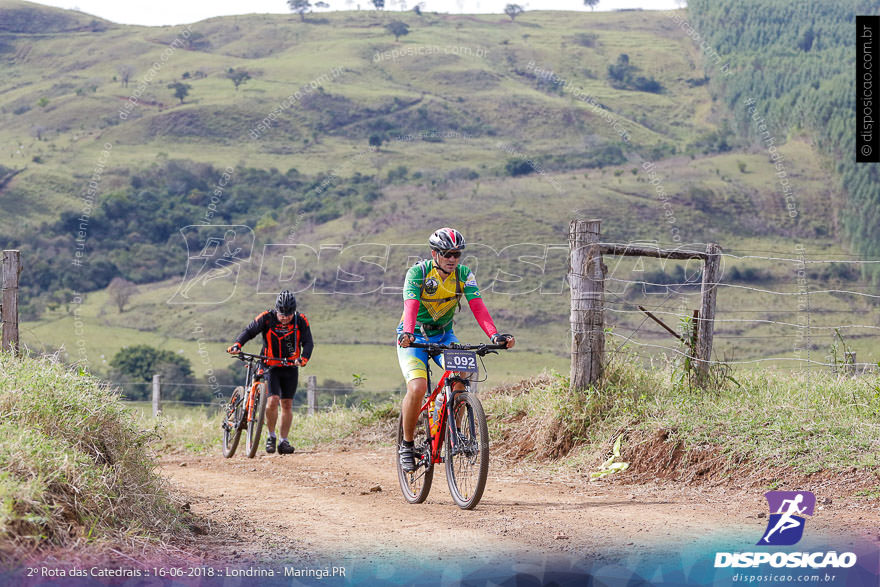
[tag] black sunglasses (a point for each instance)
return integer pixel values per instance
(449, 254)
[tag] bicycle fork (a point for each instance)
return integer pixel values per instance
(229, 420)
(250, 404)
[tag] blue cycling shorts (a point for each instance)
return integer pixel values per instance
(414, 362)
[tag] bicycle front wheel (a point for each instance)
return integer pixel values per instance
(232, 417)
(467, 454)
(255, 425)
(415, 485)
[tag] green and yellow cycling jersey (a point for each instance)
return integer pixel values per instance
(438, 297)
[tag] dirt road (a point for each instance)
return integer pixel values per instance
(323, 506)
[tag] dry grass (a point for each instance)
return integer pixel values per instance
(805, 422)
(192, 429)
(75, 467)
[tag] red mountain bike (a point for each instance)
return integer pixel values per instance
(454, 419)
(246, 409)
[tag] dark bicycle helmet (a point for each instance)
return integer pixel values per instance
(286, 303)
(446, 239)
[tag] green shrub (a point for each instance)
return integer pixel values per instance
(586, 39)
(515, 167)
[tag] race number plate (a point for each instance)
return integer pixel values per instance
(461, 361)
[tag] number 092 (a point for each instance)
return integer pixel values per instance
(458, 361)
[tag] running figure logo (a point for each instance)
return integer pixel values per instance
(786, 524)
(215, 255)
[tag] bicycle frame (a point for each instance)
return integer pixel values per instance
(250, 379)
(246, 409)
(466, 451)
(448, 379)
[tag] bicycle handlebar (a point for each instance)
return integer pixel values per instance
(482, 349)
(248, 357)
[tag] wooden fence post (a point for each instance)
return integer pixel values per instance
(706, 320)
(10, 270)
(157, 396)
(313, 383)
(587, 280)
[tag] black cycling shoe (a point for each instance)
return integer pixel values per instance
(270, 444)
(407, 458)
(285, 448)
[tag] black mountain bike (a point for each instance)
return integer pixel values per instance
(246, 409)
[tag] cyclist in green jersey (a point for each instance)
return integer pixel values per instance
(431, 293)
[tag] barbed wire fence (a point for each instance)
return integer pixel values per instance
(324, 398)
(807, 325)
(807, 310)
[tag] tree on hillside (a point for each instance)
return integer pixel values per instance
(140, 362)
(300, 7)
(181, 90)
(125, 72)
(197, 42)
(397, 28)
(623, 75)
(375, 141)
(805, 43)
(238, 76)
(591, 3)
(621, 70)
(378, 4)
(513, 10)
(515, 167)
(120, 291)
(59, 297)
(418, 8)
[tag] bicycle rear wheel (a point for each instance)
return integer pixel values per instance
(415, 485)
(232, 417)
(467, 456)
(255, 426)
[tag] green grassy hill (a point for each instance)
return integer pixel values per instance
(491, 97)
(458, 102)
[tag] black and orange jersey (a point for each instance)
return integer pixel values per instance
(279, 341)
